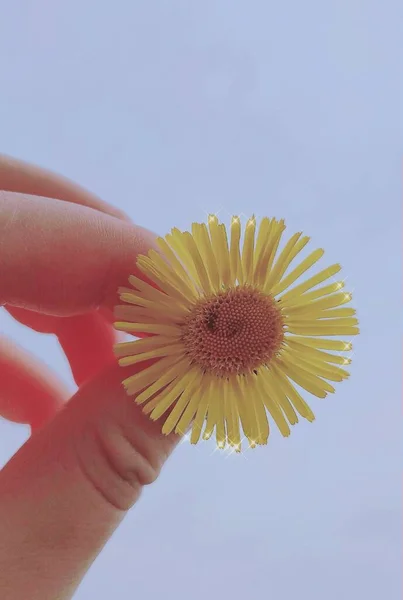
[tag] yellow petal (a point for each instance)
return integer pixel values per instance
(168, 273)
(247, 419)
(125, 290)
(232, 417)
(262, 238)
(147, 266)
(316, 367)
(306, 264)
(188, 414)
(157, 308)
(337, 345)
(203, 241)
(248, 250)
(277, 393)
(173, 419)
(268, 254)
(169, 397)
(146, 291)
(289, 390)
(198, 263)
(212, 413)
(168, 330)
(323, 304)
(228, 415)
(201, 410)
(324, 324)
(145, 315)
(224, 257)
(325, 290)
(266, 392)
(171, 350)
(177, 265)
(143, 378)
(235, 252)
(316, 386)
(286, 256)
(258, 407)
(221, 435)
(309, 351)
(320, 330)
(289, 297)
(165, 378)
(176, 240)
(143, 345)
(220, 248)
(334, 313)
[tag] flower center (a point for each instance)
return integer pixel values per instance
(233, 332)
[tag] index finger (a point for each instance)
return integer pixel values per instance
(19, 176)
(64, 259)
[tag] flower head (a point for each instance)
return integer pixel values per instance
(232, 331)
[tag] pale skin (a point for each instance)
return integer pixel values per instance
(63, 255)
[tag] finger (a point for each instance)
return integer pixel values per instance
(19, 176)
(67, 489)
(87, 340)
(63, 259)
(29, 392)
(96, 352)
(88, 344)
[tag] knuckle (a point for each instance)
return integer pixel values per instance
(117, 468)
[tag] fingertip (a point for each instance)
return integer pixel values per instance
(30, 393)
(91, 255)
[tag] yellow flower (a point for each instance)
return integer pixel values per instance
(229, 337)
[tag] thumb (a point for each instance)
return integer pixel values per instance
(67, 489)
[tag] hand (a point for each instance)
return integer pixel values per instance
(65, 491)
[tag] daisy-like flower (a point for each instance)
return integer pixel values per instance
(232, 332)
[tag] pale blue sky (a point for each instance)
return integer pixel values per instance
(291, 109)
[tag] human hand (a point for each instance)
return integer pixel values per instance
(66, 490)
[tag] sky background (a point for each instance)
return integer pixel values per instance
(170, 110)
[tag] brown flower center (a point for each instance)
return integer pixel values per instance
(233, 332)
